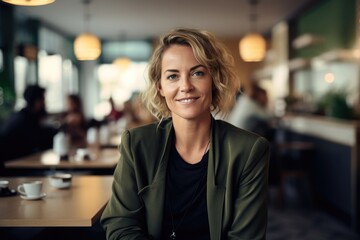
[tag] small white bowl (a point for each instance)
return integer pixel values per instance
(61, 180)
(82, 154)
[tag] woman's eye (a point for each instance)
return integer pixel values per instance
(172, 77)
(198, 74)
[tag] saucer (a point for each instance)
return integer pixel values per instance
(7, 192)
(33, 197)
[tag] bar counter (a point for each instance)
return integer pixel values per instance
(336, 170)
(339, 131)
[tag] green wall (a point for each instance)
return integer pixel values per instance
(332, 20)
(7, 90)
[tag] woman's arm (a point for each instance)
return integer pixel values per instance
(123, 217)
(250, 216)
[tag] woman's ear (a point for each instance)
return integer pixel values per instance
(158, 86)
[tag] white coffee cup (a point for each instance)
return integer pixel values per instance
(92, 135)
(30, 189)
(61, 143)
(104, 135)
(4, 184)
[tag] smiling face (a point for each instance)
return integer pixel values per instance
(185, 84)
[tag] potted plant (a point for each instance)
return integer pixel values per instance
(334, 104)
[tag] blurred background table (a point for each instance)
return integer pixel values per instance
(103, 160)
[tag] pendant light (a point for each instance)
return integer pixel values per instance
(29, 2)
(122, 62)
(252, 46)
(87, 46)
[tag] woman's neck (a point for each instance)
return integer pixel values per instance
(192, 138)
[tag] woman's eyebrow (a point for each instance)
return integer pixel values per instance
(171, 70)
(197, 66)
(191, 69)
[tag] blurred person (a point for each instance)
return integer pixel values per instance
(135, 113)
(114, 113)
(250, 111)
(142, 115)
(23, 133)
(73, 120)
(189, 176)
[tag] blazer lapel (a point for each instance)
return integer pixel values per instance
(215, 201)
(215, 187)
(153, 195)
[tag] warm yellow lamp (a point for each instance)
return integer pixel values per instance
(29, 2)
(87, 47)
(122, 62)
(252, 47)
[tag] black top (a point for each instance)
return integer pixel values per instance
(185, 203)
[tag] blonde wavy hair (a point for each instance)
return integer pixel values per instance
(208, 52)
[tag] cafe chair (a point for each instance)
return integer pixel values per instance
(294, 160)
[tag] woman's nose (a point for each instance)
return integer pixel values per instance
(186, 85)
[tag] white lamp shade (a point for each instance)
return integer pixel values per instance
(87, 47)
(29, 2)
(122, 63)
(252, 47)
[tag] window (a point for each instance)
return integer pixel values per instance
(25, 74)
(120, 84)
(59, 77)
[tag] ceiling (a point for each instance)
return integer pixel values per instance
(142, 19)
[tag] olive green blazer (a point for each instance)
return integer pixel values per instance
(237, 183)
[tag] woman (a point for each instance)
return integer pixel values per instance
(189, 176)
(74, 122)
(114, 113)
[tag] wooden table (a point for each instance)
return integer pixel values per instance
(79, 206)
(102, 158)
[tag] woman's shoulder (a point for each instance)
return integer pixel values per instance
(152, 130)
(239, 143)
(147, 143)
(231, 133)
(228, 127)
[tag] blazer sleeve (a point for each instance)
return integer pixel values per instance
(250, 216)
(123, 217)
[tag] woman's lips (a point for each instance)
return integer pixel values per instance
(187, 100)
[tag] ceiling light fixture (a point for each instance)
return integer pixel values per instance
(87, 46)
(122, 62)
(252, 46)
(29, 2)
